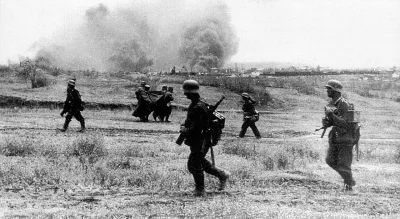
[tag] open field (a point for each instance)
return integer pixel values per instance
(135, 170)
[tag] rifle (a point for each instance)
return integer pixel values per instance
(323, 127)
(207, 139)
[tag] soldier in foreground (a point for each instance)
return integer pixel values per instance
(250, 116)
(340, 152)
(194, 131)
(73, 107)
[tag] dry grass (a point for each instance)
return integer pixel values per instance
(121, 168)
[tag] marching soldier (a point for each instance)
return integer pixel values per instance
(73, 107)
(169, 97)
(340, 152)
(250, 116)
(162, 108)
(143, 100)
(194, 130)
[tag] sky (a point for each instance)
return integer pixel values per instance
(329, 33)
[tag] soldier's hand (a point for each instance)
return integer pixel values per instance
(329, 113)
(325, 122)
(183, 129)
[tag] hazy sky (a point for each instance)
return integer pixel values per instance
(331, 33)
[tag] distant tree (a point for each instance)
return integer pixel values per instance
(30, 70)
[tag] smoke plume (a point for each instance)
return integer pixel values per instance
(147, 35)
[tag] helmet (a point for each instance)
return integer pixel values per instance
(335, 85)
(164, 87)
(171, 89)
(191, 86)
(71, 83)
(245, 95)
(143, 83)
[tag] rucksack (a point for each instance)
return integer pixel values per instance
(353, 117)
(216, 124)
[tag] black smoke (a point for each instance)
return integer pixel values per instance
(146, 35)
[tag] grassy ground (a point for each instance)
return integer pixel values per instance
(121, 168)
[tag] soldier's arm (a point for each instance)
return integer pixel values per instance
(338, 118)
(195, 121)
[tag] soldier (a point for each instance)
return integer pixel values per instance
(169, 97)
(162, 108)
(340, 152)
(164, 89)
(73, 107)
(250, 116)
(143, 100)
(193, 129)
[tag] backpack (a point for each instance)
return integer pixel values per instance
(217, 123)
(353, 117)
(216, 126)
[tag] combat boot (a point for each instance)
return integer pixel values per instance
(199, 192)
(223, 179)
(83, 128)
(65, 127)
(349, 186)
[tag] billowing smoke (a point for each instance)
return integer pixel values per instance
(152, 35)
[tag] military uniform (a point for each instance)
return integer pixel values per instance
(143, 109)
(73, 107)
(340, 152)
(194, 130)
(249, 113)
(162, 107)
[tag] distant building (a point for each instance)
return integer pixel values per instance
(214, 71)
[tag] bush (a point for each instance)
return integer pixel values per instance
(41, 80)
(238, 149)
(397, 155)
(288, 157)
(18, 147)
(88, 148)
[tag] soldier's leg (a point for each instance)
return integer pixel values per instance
(332, 156)
(255, 129)
(245, 125)
(345, 159)
(169, 111)
(155, 115)
(78, 116)
(217, 172)
(196, 169)
(68, 119)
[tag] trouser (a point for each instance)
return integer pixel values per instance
(339, 157)
(253, 127)
(169, 111)
(78, 116)
(198, 164)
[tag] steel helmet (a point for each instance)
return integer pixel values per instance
(71, 82)
(245, 95)
(335, 85)
(191, 86)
